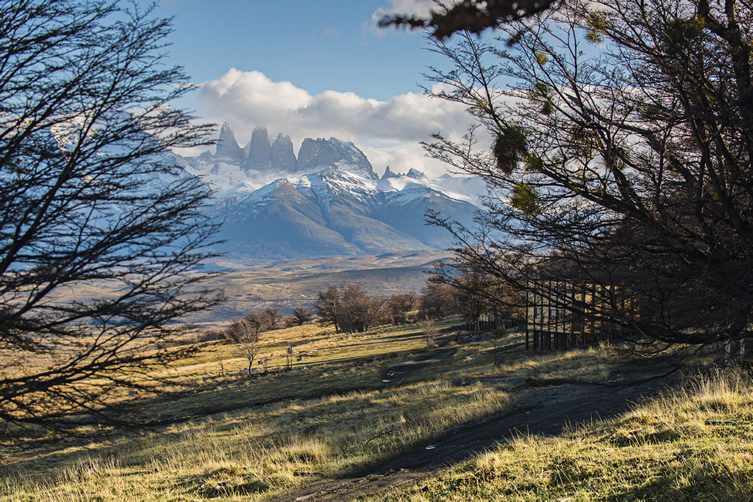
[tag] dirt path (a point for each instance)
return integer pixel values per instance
(542, 410)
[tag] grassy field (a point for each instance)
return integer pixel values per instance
(256, 284)
(354, 402)
(691, 444)
(334, 410)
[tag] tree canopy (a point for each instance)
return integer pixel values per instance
(615, 137)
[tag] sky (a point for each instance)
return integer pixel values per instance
(313, 69)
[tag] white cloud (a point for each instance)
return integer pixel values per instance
(418, 8)
(389, 132)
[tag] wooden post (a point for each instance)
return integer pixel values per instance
(602, 313)
(541, 318)
(623, 294)
(555, 296)
(553, 310)
(560, 317)
(572, 315)
(592, 331)
(526, 316)
(583, 314)
(549, 315)
(534, 322)
(612, 301)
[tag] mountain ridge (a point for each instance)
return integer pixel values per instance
(327, 200)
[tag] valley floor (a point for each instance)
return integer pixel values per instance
(394, 415)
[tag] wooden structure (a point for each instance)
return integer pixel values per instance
(487, 321)
(562, 314)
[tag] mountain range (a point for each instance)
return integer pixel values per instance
(326, 200)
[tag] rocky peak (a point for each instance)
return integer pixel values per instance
(282, 153)
(389, 174)
(227, 146)
(316, 153)
(259, 151)
(415, 174)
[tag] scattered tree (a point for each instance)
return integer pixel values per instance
(246, 334)
(349, 309)
(438, 300)
(356, 312)
(328, 307)
(258, 322)
(400, 308)
(473, 297)
(302, 316)
(273, 316)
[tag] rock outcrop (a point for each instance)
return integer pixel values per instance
(283, 157)
(227, 146)
(259, 151)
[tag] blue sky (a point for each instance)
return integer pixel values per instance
(313, 68)
(317, 45)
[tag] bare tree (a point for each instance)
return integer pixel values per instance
(349, 308)
(90, 195)
(438, 300)
(472, 297)
(399, 308)
(273, 316)
(328, 307)
(258, 322)
(246, 334)
(302, 316)
(357, 312)
(621, 147)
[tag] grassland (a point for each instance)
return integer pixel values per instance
(355, 406)
(256, 284)
(689, 444)
(333, 411)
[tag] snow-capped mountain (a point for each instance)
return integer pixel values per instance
(327, 200)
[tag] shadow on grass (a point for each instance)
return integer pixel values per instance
(542, 410)
(338, 377)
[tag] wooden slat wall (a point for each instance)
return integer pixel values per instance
(561, 315)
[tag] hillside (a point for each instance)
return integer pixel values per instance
(380, 415)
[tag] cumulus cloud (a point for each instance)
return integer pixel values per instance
(389, 131)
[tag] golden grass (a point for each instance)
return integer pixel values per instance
(695, 443)
(335, 415)
(254, 438)
(316, 344)
(254, 452)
